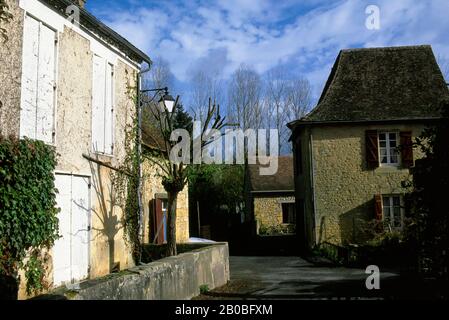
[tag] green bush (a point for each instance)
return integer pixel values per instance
(280, 229)
(28, 213)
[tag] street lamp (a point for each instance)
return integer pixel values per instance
(166, 101)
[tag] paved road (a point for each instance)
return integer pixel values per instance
(295, 278)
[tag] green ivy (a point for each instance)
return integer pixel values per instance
(28, 213)
(125, 183)
(5, 17)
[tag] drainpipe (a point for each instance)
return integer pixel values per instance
(139, 154)
(312, 177)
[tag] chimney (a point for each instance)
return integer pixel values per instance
(81, 3)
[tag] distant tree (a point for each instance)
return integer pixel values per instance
(160, 75)
(182, 119)
(204, 85)
(244, 95)
(299, 95)
(217, 185)
(287, 98)
(428, 231)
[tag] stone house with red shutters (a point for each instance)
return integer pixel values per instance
(354, 149)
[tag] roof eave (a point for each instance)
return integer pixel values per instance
(102, 29)
(295, 124)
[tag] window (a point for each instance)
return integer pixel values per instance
(388, 143)
(288, 213)
(102, 106)
(38, 81)
(392, 211)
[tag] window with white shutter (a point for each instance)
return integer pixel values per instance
(38, 81)
(102, 106)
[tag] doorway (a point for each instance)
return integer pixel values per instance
(71, 251)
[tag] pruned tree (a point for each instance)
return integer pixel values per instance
(172, 129)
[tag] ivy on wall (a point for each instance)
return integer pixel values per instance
(5, 17)
(125, 182)
(28, 213)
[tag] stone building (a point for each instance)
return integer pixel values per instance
(155, 196)
(354, 149)
(72, 83)
(270, 198)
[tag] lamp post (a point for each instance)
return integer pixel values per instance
(166, 101)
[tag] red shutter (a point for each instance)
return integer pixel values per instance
(372, 149)
(158, 232)
(406, 148)
(378, 207)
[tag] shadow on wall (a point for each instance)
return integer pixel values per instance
(350, 226)
(352, 223)
(104, 212)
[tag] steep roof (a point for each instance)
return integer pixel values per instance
(281, 181)
(95, 26)
(376, 84)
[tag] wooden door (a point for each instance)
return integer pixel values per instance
(159, 220)
(71, 251)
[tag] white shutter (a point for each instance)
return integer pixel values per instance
(61, 249)
(46, 84)
(98, 101)
(80, 225)
(29, 78)
(109, 105)
(71, 251)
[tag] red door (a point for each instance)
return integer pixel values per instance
(159, 221)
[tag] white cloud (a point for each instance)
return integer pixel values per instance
(256, 32)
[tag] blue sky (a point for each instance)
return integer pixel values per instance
(305, 36)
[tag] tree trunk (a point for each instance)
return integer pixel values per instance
(171, 223)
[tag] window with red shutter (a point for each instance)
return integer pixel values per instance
(372, 149)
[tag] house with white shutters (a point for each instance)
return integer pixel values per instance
(71, 83)
(354, 149)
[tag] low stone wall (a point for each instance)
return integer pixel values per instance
(173, 278)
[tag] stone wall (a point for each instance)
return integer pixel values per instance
(173, 278)
(268, 209)
(152, 186)
(73, 131)
(11, 71)
(344, 187)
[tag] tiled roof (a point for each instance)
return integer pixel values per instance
(376, 84)
(281, 181)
